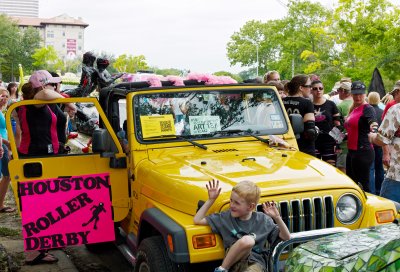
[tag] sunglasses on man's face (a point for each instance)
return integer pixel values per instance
(318, 88)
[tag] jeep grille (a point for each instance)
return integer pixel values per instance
(307, 214)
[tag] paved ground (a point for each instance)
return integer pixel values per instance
(12, 257)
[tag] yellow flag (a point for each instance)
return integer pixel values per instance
(21, 77)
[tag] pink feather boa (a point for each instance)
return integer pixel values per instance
(211, 79)
(155, 80)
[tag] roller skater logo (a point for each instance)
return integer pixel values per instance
(96, 210)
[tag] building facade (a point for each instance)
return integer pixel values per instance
(66, 34)
(22, 8)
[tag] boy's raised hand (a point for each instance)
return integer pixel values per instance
(270, 209)
(213, 189)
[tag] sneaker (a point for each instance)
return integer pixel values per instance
(220, 269)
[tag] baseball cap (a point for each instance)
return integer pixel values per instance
(396, 87)
(41, 78)
(345, 86)
(358, 87)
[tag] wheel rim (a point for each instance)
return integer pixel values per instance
(144, 267)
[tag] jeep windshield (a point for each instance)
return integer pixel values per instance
(195, 114)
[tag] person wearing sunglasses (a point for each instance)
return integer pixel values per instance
(326, 117)
(360, 122)
(295, 103)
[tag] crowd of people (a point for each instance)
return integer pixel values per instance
(347, 128)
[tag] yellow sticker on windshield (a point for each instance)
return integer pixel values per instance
(157, 125)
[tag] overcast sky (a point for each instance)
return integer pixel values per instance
(183, 34)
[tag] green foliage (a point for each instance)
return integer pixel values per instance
(225, 73)
(350, 41)
(16, 47)
(167, 72)
(130, 64)
(46, 58)
(72, 66)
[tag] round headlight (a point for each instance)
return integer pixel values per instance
(348, 209)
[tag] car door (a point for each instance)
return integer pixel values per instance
(71, 198)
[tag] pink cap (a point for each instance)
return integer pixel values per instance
(41, 78)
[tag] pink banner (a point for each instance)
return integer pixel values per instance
(66, 211)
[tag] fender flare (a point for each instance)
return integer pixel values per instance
(165, 225)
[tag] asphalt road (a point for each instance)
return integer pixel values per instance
(104, 258)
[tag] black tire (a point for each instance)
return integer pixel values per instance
(153, 257)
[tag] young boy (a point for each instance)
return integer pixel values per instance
(244, 232)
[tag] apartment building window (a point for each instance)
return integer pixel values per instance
(80, 35)
(50, 34)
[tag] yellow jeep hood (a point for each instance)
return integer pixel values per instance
(274, 171)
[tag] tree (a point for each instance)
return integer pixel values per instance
(130, 64)
(73, 66)
(242, 49)
(368, 34)
(167, 72)
(282, 42)
(16, 47)
(46, 58)
(225, 73)
(351, 40)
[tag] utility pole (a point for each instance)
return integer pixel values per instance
(254, 42)
(258, 63)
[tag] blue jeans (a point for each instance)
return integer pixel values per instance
(391, 189)
(376, 173)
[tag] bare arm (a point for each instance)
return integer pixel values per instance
(213, 193)
(386, 155)
(270, 209)
(48, 94)
(18, 128)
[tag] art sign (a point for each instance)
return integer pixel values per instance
(66, 211)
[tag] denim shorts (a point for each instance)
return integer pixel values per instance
(391, 189)
(4, 162)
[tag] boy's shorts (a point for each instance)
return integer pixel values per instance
(246, 265)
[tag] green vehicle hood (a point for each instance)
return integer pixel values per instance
(369, 249)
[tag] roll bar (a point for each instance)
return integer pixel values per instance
(299, 238)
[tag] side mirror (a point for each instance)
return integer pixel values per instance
(102, 143)
(297, 124)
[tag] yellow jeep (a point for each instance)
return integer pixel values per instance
(157, 148)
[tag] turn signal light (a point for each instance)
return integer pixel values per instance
(170, 243)
(204, 241)
(386, 216)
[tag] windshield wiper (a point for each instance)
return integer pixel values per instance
(180, 138)
(271, 141)
(236, 131)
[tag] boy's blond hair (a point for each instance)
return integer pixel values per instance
(248, 190)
